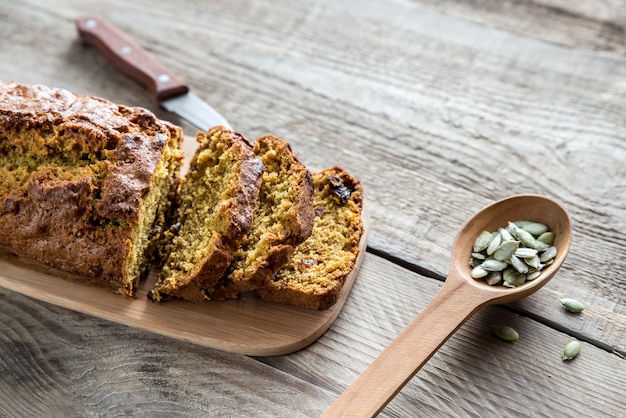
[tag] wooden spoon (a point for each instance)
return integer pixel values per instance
(459, 298)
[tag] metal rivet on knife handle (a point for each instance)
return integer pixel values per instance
(129, 58)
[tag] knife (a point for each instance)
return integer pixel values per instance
(169, 90)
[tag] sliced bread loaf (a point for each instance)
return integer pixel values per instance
(282, 220)
(215, 209)
(318, 268)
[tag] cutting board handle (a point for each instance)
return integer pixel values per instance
(130, 58)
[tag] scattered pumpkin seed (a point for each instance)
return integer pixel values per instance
(571, 350)
(505, 332)
(572, 305)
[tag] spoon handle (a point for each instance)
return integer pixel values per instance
(406, 354)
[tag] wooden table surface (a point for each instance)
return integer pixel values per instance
(439, 108)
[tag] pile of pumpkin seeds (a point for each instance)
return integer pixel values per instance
(514, 254)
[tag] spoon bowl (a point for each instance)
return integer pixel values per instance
(459, 298)
(520, 207)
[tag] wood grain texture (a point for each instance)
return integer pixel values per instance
(459, 298)
(597, 25)
(81, 365)
(64, 363)
(439, 107)
(247, 325)
(474, 373)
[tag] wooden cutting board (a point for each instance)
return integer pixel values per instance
(248, 325)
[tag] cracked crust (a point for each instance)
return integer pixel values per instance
(82, 181)
(315, 274)
(218, 199)
(283, 220)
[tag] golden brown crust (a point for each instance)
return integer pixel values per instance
(75, 171)
(318, 268)
(230, 199)
(131, 140)
(283, 219)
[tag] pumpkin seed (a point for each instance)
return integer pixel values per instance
(571, 350)
(572, 305)
(513, 278)
(540, 245)
(506, 235)
(548, 254)
(547, 237)
(493, 265)
(506, 250)
(524, 236)
(493, 278)
(483, 241)
(479, 256)
(505, 332)
(521, 223)
(519, 265)
(533, 261)
(533, 275)
(535, 228)
(475, 262)
(478, 272)
(494, 244)
(524, 252)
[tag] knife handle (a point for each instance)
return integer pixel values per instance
(130, 58)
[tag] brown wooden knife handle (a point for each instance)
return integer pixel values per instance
(129, 58)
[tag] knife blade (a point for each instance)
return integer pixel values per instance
(168, 89)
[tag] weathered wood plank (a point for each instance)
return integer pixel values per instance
(56, 362)
(595, 25)
(439, 108)
(80, 365)
(474, 373)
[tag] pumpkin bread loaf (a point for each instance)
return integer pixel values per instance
(283, 219)
(318, 268)
(85, 184)
(215, 209)
(93, 189)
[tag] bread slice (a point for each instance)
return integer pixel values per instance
(84, 183)
(283, 219)
(318, 268)
(215, 209)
